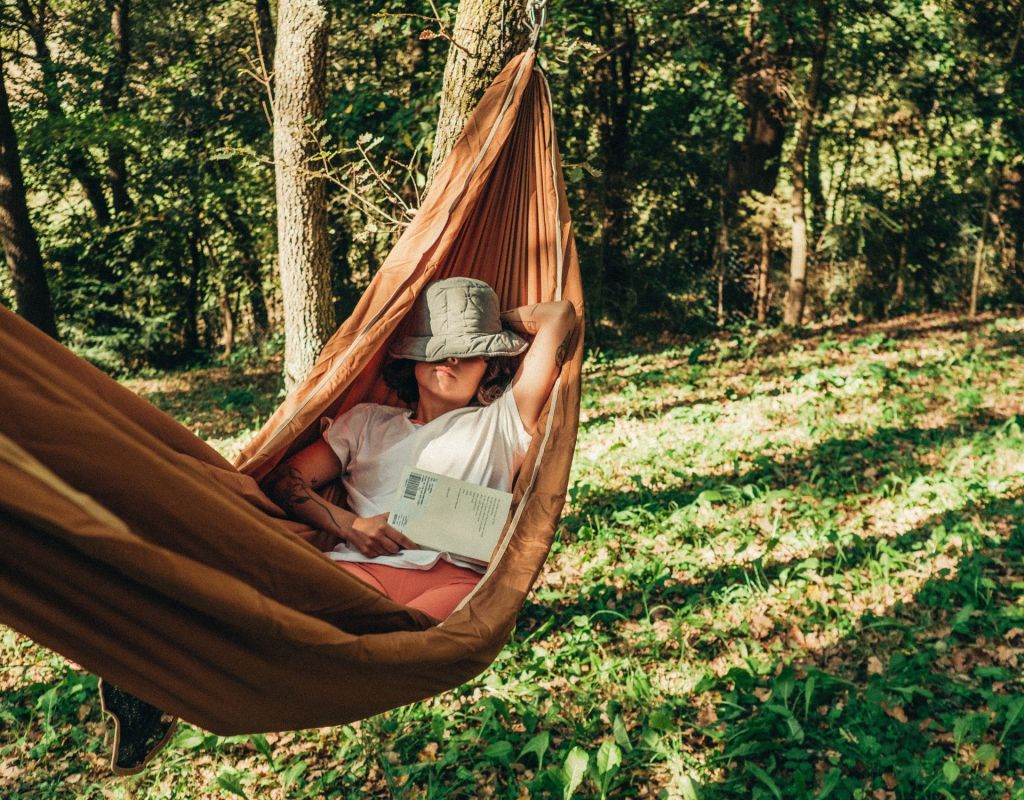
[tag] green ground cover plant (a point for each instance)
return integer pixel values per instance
(787, 568)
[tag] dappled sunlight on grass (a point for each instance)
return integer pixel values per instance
(786, 568)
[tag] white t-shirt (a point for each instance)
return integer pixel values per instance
(484, 445)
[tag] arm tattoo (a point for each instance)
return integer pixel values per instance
(563, 349)
(528, 321)
(291, 490)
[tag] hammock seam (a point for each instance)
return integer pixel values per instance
(22, 459)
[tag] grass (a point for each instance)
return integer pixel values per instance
(786, 569)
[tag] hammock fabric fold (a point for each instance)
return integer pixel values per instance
(133, 548)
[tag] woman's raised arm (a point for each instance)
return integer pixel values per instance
(551, 325)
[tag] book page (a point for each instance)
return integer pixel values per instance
(453, 516)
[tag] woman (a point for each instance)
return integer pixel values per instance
(467, 421)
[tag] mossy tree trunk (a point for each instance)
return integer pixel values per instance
(300, 61)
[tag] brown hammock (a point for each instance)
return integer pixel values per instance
(133, 548)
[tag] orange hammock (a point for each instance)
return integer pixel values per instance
(133, 548)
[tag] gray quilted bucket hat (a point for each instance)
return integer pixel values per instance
(456, 318)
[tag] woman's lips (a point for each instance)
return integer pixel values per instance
(445, 371)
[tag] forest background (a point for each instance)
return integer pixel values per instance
(789, 566)
(689, 133)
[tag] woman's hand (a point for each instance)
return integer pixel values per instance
(372, 536)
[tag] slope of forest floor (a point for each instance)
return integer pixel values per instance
(786, 569)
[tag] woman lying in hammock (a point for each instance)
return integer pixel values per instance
(471, 419)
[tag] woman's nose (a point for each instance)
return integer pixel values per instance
(453, 359)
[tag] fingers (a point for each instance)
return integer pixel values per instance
(394, 535)
(378, 538)
(398, 538)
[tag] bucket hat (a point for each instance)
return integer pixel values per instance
(456, 318)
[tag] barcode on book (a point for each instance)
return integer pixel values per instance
(412, 485)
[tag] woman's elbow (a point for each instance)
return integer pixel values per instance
(564, 314)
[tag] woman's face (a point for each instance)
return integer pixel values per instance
(454, 380)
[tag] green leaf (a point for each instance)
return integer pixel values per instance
(784, 684)
(987, 755)
(190, 740)
(231, 780)
(808, 694)
(765, 778)
(1012, 715)
(950, 771)
(661, 721)
(291, 775)
(829, 784)
(574, 769)
(960, 729)
(500, 751)
(621, 734)
(609, 757)
(259, 741)
(538, 745)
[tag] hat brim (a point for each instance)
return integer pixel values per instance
(438, 348)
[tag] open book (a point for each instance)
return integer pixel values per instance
(453, 516)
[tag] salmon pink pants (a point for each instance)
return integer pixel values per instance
(435, 591)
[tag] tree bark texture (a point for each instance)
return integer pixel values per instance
(754, 161)
(110, 102)
(78, 161)
(21, 247)
(299, 77)
(796, 294)
(487, 34)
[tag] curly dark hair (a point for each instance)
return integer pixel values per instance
(400, 375)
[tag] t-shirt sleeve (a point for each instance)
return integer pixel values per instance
(510, 423)
(345, 434)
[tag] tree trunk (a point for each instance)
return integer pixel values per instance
(251, 271)
(979, 250)
(815, 192)
(78, 160)
(796, 294)
(614, 83)
(764, 267)
(265, 33)
(21, 247)
(1012, 210)
(753, 163)
(110, 102)
(300, 63)
(228, 322)
(995, 170)
(487, 34)
(193, 289)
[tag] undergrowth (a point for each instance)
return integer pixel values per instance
(786, 569)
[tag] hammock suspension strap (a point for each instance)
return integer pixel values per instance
(536, 15)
